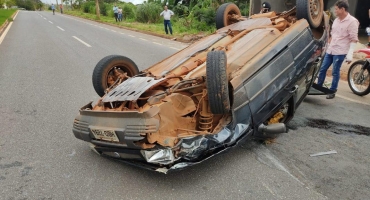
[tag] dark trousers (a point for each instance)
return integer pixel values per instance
(116, 16)
(167, 23)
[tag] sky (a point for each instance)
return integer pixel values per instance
(132, 1)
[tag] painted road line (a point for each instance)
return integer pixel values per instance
(5, 32)
(106, 29)
(51, 22)
(15, 16)
(143, 39)
(81, 41)
(44, 18)
(60, 28)
(175, 48)
(353, 100)
(114, 31)
(122, 33)
(131, 35)
(157, 43)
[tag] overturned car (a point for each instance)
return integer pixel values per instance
(243, 82)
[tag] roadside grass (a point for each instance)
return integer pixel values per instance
(179, 30)
(6, 14)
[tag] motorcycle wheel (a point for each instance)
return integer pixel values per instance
(356, 71)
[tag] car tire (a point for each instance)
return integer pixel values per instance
(311, 10)
(105, 68)
(222, 13)
(217, 82)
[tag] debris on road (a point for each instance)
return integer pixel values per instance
(323, 153)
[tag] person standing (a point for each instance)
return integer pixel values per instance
(53, 8)
(341, 44)
(61, 8)
(115, 11)
(120, 14)
(167, 19)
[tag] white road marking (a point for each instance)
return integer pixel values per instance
(353, 100)
(51, 22)
(100, 27)
(143, 39)
(44, 18)
(157, 43)
(106, 29)
(15, 16)
(131, 35)
(60, 28)
(175, 48)
(81, 41)
(122, 33)
(5, 32)
(114, 31)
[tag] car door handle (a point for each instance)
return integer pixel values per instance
(294, 89)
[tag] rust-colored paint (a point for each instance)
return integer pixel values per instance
(182, 96)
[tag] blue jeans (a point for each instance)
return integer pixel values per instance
(337, 61)
(119, 16)
(167, 23)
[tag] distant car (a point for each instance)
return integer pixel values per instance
(243, 82)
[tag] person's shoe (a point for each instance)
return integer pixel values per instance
(330, 96)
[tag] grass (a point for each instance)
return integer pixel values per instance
(6, 14)
(153, 28)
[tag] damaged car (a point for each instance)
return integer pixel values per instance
(245, 81)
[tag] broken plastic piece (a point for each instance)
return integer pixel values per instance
(323, 153)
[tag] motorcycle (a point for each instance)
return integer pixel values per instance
(359, 75)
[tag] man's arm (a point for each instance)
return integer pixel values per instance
(353, 36)
(161, 13)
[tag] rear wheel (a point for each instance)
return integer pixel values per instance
(359, 78)
(311, 10)
(225, 15)
(109, 69)
(217, 82)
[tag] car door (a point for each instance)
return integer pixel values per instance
(271, 86)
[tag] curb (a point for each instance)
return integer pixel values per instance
(5, 25)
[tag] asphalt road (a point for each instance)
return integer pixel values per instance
(46, 63)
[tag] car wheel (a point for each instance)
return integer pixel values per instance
(108, 69)
(217, 82)
(311, 10)
(224, 15)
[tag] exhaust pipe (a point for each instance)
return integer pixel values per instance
(273, 128)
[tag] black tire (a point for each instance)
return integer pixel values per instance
(217, 82)
(351, 76)
(104, 69)
(222, 13)
(311, 10)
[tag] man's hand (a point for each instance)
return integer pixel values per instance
(349, 56)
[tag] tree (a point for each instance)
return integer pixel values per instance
(97, 9)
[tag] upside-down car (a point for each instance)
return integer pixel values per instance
(245, 81)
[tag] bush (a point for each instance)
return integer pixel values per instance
(87, 5)
(128, 11)
(181, 10)
(148, 13)
(206, 15)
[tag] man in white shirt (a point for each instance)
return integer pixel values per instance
(167, 17)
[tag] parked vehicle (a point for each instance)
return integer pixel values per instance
(243, 82)
(358, 75)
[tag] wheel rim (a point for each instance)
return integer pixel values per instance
(114, 73)
(315, 10)
(364, 79)
(229, 17)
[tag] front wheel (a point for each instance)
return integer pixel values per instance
(359, 78)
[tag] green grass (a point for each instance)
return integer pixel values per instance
(5, 14)
(153, 28)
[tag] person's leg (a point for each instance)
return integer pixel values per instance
(328, 60)
(170, 26)
(368, 34)
(115, 16)
(165, 26)
(337, 63)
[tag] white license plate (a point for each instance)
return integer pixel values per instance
(107, 135)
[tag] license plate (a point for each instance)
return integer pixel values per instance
(107, 135)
